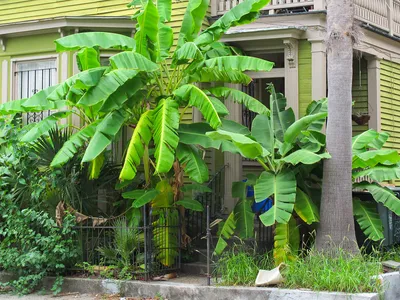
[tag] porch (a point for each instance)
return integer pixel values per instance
(382, 14)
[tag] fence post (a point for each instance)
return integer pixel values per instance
(146, 254)
(390, 15)
(208, 246)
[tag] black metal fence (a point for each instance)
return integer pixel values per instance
(196, 222)
(138, 251)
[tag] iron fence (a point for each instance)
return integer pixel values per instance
(143, 251)
(196, 222)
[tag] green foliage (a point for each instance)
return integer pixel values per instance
(33, 247)
(277, 142)
(370, 160)
(343, 272)
(122, 253)
(240, 265)
(147, 76)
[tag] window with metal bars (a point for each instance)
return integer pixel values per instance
(31, 77)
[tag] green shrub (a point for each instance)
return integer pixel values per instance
(32, 247)
(240, 265)
(342, 273)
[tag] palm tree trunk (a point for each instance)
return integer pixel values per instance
(337, 223)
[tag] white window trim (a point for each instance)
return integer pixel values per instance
(13, 68)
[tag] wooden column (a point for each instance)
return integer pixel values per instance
(374, 92)
(318, 61)
(234, 169)
(4, 81)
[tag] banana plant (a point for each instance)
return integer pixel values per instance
(283, 147)
(149, 85)
(372, 166)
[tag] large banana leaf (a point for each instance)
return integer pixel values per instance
(305, 157)
(305, 208)
(105, 134)
(294, 130)
(282, 187)
(146, 35)
(379, 141)
(103, 40)
(372, 158)
(192, 20)
(164, 8)
(166, 123)
(219, 106)
(368, 219)
(240, 97)
(165, 237)
(39, 100)
(44, 126)
(379, 173)
(316, 107)
(82, 80)
(215, 75)
(239, 63)
(244, 13)
(196, 97)
(381, 194)
(243, 212)
(133, 60)
(248, 147)
(191, 204)
(107, 85)
(140, 137)
(95, 166)
(70, 147)
(360, 142)
(165, 40)
(286, 241)
(262, 132)
(232, 126)
(195, 134)
(88, 58)
(192, 162)
(129, 90)
(188, 51)
(227, 229)
(281, 118)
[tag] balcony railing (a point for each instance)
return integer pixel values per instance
(384, 14)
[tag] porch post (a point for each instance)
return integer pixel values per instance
(292, 74)
(318, 72)
(4, 81)
(233, 171)
(374, 93)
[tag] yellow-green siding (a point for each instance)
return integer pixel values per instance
(360, 93)
(305, 76)
(390, 102)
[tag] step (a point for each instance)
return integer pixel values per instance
(196, 268)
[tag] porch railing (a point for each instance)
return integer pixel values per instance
(384, 14)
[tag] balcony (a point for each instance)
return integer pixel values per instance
(383, 14)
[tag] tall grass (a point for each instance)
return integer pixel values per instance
(340, 273)
(240, 265)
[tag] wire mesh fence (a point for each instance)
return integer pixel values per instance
(137, 252)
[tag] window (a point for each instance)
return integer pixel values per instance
(31, 77)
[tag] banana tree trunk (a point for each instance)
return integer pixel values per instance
(337, 223)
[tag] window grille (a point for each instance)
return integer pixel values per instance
(31, 77)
